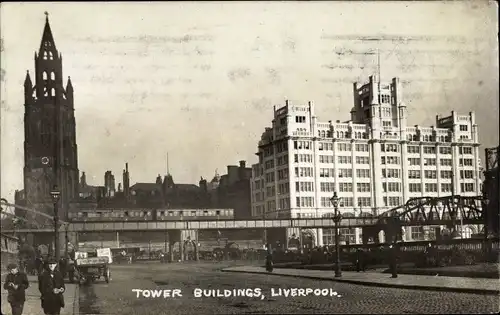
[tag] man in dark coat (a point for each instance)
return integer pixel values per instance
(52, 287)
(16, 283)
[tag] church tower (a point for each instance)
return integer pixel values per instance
(50, 151)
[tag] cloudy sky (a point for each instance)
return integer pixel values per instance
(199, 80)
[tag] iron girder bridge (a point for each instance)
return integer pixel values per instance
(422, 211)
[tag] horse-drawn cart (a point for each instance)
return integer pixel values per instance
(87, 270)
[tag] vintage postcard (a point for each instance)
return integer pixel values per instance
(253, 157)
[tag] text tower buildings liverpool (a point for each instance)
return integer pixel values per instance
(374, 161)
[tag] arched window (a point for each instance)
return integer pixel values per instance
(45, 55)
(365, 135)
(415, 138)
(338, 134)
(341, 134)
(426, 138)
(52, 75)
(53, 92)
(44, 75)
(51, 56)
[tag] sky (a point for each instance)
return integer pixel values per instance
(199, 80)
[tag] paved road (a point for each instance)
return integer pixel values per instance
(117, 296)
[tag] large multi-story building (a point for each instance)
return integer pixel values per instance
(374, 161)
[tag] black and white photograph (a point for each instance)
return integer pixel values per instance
(249, 157)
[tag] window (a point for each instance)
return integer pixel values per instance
(389, 147)
(44, 75)
(362, 160)
(363, 187)
(52, 75)
(327, 187)
(429, 150)
(446, 174)
(306, 202)
(364, 201)
(414, 174)
(325, 159)
(391, 187)
(463, 128)
(300, 119)
(445, 150)
(52, 92)
(362, 147)
(466, 174)
(465, 162)
(304, 186)
(467, 187)
(363, 173)
(344, 147)
(325, 146)
(392, 160)
(465, 150)
(415, 187)
(345, 187)
(430, 174)
(346, 202)
(302, 145)
(345, 173)
(326, 172)
(345, 160)
(414, 161)
(445, 162)
(413, 149)
(430, 187)
(417, 233)
(306, 158)
(390, 173)
(430, 162)
(446, 188)
(325, 202)
(394, 201)
(303, 172)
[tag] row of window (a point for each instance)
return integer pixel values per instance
(391, 187)
(389, 147)
(390, 160)
(304, 186)
(442, 150)
(362, 173)
(308, 158)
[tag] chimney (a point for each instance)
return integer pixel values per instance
(243, 164)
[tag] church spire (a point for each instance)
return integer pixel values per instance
(47, 42)
(69, 86)
(27, 80)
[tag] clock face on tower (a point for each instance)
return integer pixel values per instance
(40, 162)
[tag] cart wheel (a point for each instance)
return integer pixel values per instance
(107, 275)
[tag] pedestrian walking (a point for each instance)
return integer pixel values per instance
(52, 289)
(269, 258)
(16, 284)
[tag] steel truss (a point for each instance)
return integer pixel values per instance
(437, 211)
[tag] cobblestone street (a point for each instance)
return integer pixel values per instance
(117, 297)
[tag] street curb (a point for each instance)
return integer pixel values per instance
(385, 285)
(76, 301)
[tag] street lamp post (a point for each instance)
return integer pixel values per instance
(336, 219)
(55, 194)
